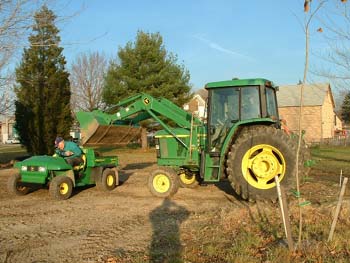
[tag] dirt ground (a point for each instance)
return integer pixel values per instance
(94, 226)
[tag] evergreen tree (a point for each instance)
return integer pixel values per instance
(146, 66)
(345, 109)
(43, 90)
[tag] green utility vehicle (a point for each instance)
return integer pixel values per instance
(241, 139)
(62, 177)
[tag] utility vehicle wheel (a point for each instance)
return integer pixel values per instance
(107, 181)
(187, 180)
(258, 155)
(14, 185)
(61, 187)
(163, 182)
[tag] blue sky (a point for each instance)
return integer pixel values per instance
(215, 40)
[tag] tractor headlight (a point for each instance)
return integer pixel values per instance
(24, 168)
(42, 169)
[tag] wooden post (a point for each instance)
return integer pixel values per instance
(284, 213)
(336, 214)
(341, 175)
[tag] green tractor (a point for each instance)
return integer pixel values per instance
(62, 177)
(241, 139)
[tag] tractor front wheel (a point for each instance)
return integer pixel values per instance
(61, 187)
(163, 182)
(107, 181)
(258, 156)
(14, 185)
(188, 179)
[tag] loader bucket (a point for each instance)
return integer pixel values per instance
(97, 130)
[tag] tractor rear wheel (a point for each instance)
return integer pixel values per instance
(107, 181)
(163, 182)
(61, 187)
(187, 179)
(259, 154)
(14, 185)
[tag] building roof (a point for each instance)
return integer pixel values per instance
(203, 93)
(314, 94)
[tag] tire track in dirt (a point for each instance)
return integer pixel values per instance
(32, 244)
(108, 240)
(85, 243)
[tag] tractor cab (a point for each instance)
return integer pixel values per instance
(238, 102)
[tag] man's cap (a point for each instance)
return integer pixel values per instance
(58, 140)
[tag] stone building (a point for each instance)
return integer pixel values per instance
(318, 117)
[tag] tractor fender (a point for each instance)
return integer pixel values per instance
(235, 129)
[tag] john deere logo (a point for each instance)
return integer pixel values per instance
(146, 100)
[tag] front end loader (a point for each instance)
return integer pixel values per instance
(241, 140)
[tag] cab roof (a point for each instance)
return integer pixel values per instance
(239, 82)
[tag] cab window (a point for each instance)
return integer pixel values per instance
(250, 103)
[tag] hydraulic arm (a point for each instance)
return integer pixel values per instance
(100, 128)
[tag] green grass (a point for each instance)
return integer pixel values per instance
(11, 152)
(332, 160)
(335, 153)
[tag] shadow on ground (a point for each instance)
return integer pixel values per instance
(166, 243)
(226, 187)
(133, 166)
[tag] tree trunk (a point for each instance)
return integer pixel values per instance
(144, 143)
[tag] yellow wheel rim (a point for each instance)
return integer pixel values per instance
(110, 180)
(161, 183)
(187, 179)
(64, 188)
(21, 188)
(260, 165)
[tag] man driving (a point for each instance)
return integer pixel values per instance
(69, 151)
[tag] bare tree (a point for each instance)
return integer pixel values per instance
(16, 18)
(87, 78)
(336, 30)
(310, 13)
(16, 21)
